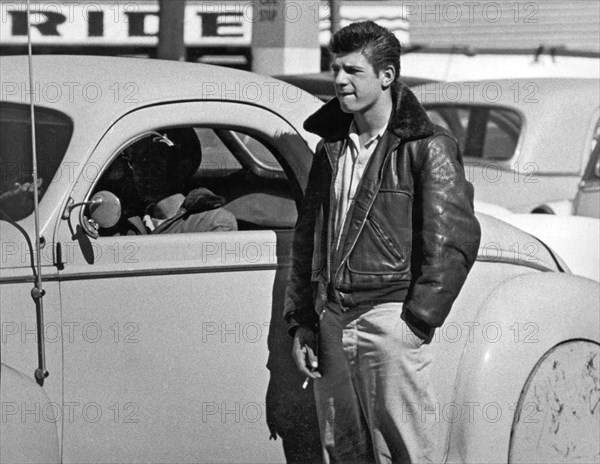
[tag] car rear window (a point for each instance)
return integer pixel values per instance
(53, 133)
(483, 132)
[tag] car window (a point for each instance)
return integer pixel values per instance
(53, 133)
(229, 175)
(216, 158)
(229, 150)
(453, 119)
(482, 132)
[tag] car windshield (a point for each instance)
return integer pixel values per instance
(53, 133)
(483, 132)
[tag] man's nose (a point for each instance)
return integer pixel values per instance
(341, 78)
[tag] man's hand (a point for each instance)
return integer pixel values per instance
(18, 203)
(304, 352)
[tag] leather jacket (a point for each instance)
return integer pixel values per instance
(410, 236)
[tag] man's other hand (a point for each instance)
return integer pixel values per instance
(304, 352)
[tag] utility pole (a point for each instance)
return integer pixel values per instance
(171, 44)
(334, 15)
(285, 37)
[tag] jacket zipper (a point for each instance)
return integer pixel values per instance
(331, 203)
(393, 147)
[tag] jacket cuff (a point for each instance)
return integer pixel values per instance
(293, 325)
(418, 326)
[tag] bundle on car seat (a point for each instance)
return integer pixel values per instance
(197, 201)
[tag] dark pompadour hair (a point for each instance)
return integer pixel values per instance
(379, 45)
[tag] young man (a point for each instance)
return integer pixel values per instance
(384, 241)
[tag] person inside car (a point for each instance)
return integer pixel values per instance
(152, 174)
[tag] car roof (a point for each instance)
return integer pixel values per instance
(559, 114)
(85, 86)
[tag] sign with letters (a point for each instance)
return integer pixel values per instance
(135, 23)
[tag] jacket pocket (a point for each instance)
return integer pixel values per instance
(375, 252)
(385, 238)
(384, 245)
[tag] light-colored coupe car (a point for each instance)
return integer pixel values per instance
(525, 142)
(170, 348)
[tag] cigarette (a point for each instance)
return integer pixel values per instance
(305, 384)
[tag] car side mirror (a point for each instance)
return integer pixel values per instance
(105, 209)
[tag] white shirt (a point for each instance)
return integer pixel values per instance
(351, 167)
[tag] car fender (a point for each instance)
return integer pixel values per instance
(28, 430)
(573, 238)
(525, 317)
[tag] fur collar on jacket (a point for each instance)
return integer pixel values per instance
(409, 121)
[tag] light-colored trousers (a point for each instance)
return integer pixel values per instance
(375, 372)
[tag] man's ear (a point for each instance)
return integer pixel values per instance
(388, 76)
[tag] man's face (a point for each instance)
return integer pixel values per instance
(150, 170)
(357, 85)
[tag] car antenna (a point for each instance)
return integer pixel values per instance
(37, 292)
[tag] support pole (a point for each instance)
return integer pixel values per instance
(285, 37)
(171, 45)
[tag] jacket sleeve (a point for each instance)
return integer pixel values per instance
(446, 234)
(299, 306)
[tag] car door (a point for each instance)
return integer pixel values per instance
(171, 366)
